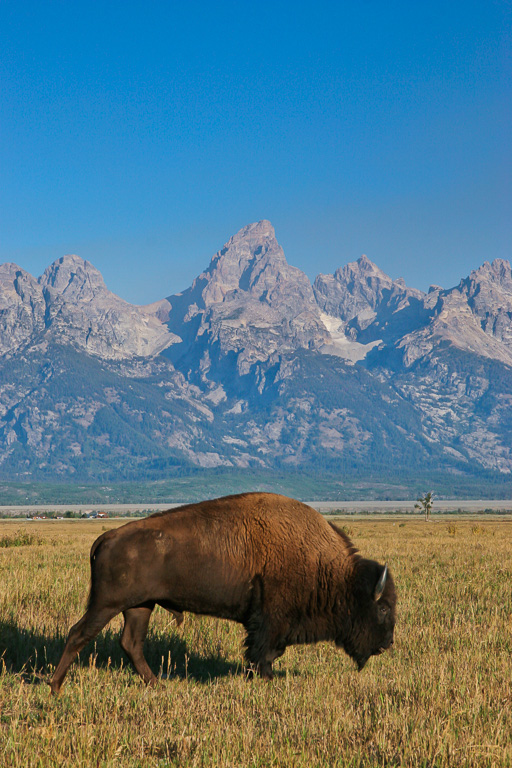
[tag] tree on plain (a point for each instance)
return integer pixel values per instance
(424, 504)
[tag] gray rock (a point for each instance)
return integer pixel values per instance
(249, 302)
(22, 308)
(359, 293)
(71, 304)
(228, 373)
(474, 317)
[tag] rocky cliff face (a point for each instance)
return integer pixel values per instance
(360, 293)
(253, 367)
(80, 309)
(474, 317)
(70, 304)
(363, 308)
(249, 302)
(488, 292)
(22, 308)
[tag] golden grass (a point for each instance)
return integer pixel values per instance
(443, 698)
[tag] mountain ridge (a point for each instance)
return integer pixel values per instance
(256, 368)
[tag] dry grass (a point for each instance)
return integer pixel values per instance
(443, 698)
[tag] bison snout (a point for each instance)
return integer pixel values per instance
(387, 645)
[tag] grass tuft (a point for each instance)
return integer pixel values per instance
(19, 539)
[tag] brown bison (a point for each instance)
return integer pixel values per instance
(266, 561)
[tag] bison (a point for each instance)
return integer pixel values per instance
(266, 561)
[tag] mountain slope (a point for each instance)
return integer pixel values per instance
(254, 369)
(249, 303)
(71, 304)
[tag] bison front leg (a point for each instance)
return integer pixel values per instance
(263, 647)
(136, 621)
(85, 630)
(264, 666)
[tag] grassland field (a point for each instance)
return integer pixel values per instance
(443, 697)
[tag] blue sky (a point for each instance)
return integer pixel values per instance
(141, 136)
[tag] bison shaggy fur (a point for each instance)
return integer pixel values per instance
(269, 562)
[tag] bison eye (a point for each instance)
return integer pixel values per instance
(383, 610)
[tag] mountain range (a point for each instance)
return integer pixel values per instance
(254, 369)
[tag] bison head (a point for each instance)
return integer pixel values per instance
(371, 603)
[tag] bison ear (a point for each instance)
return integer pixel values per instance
(379, 589)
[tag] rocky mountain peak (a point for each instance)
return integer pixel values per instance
(497, 271)
(15, 284)
(257, 232)
(488, 295)
(363, 268)
(22, 307)
(359, 291)
(237, 265)
(9, 270)
(249, 301)
(73, 278)
(251, 263)
(473, 317)
(71, 304)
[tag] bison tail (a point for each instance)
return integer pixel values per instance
(95, 546)
(94, 551)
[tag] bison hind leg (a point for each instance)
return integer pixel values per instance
(85, 630)
(178, 615)
(179, 618)
(136, 621)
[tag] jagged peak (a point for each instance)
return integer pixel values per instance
(365, 262)
(252, 241)
(497, 270)
(72, 273)
(258, 230)
(364, 267)
(15, 280)
(72, 258)
(9, 270)
(365, 272)
(252, 237)
(72, 261)
(251, 247)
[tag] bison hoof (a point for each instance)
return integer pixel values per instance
(265, 671)
(261, 670)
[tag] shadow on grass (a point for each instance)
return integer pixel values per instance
(33, 655)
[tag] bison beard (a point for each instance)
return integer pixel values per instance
(266, 561)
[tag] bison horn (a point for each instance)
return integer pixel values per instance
(379, 589)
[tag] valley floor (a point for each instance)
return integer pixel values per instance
(441, 698)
